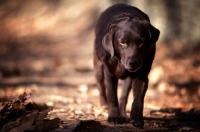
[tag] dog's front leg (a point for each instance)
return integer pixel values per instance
(111, 91)
(126, 87)
(139, 89)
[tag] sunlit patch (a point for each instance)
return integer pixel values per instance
(83, 88)
(50, 103)
(78, 112)
(95, 92)
(152, 106)
(161, 114)
(56, 97)
(100, 111)
(156, 74)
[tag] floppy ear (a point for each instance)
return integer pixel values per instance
(107, 42)
(154, 34)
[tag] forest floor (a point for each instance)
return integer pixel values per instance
(61, 87)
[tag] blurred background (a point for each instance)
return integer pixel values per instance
(48, 44)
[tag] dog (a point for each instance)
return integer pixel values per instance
(124, 48)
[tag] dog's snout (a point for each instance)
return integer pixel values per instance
(134, 62)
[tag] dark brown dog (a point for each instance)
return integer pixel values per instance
(124, 48)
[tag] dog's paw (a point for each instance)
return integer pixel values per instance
(137, 122)
(117, 120)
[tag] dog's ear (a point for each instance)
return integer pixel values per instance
(154, 34)
(107, 42)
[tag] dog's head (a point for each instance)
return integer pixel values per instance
(130, 40)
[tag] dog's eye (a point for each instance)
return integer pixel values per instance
(123, 43)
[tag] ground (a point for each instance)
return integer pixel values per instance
(68, 87)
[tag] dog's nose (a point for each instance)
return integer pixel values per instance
(134, 62)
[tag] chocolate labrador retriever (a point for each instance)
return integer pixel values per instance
(124, 49)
